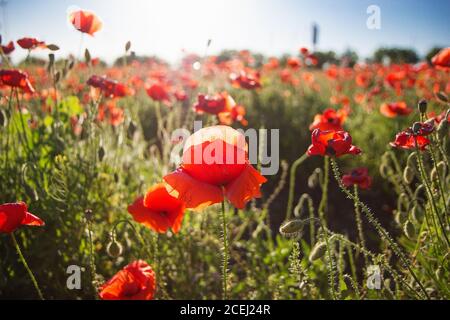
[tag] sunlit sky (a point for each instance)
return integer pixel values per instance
(272, 27)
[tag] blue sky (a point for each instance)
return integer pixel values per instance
(165, 27)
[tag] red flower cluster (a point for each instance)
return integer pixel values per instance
(331, 143)
(330, 119)
(15, 215)
(8, 48)
(16, 79)
(394, 109)
(215, 165)
(158, 210)
(414, 136)
(136, 281)
(31, 43)
(110, 88)
(359, 177)
(442, 59)
(246, 80)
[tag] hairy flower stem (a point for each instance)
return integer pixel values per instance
(91, 257)
(380, 230)
(321, 210)
(225, 253)
(24, 262)
(430, 195)
(294, 167)
(359, 225)
(324, 199)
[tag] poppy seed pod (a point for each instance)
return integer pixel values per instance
(442, 129)
(317, 251)
(422, 106)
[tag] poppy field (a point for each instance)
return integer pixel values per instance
(231, 176)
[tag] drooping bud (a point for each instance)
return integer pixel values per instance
(417, 213)
(442, 129)
(101, 153)
(114, 249)
(292, 228)
(409, 230)
(408, 175)
(412, 158)
(318, 251)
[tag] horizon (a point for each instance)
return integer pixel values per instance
(272, 30)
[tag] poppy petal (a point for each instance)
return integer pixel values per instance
(147, 217)
(195, 194)
(245, 187)
(32, 220)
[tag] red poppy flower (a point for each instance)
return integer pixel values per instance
(85, 21)
(304, 51)
(394, 109)
(180, 95)
(359, 177)
(8, 48)
(245, 80)
(31, 43)
(416, 134)
(134, 282)
(16, 79)
(159, 92)
(15, 215)
(293, 62)
(158, 210)
(331, 143)
(442, 59)
(110, 88)
(330, 119)
(211, 104)
(215, 164)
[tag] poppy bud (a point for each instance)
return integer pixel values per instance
(384, 170)
(101, 153)
(419, 194)
(87, 56)
(71, 64)
(422, 106)
(400, 217)
(313, 180)
(409, 230)
(402, 202)
(291, 228)
(442, 168)
(88, 214)
(416, 127)
(318, 251)
(127, 46)
(417, 213)
(408, 175)
(442, 129)
(114, 249)
(52, 47)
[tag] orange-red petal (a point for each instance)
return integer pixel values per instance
(245, 187)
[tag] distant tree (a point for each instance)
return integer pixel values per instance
(432, 53)
(395, 55)
(33, 61)
(325, 57)
(133, 57)
(349, 58)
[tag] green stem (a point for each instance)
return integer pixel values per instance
(380, 230)
(359, 225)
(324, 199)
(294, 167)
(225, 253)
(91, 258)
(430, 195)
(30, 273)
